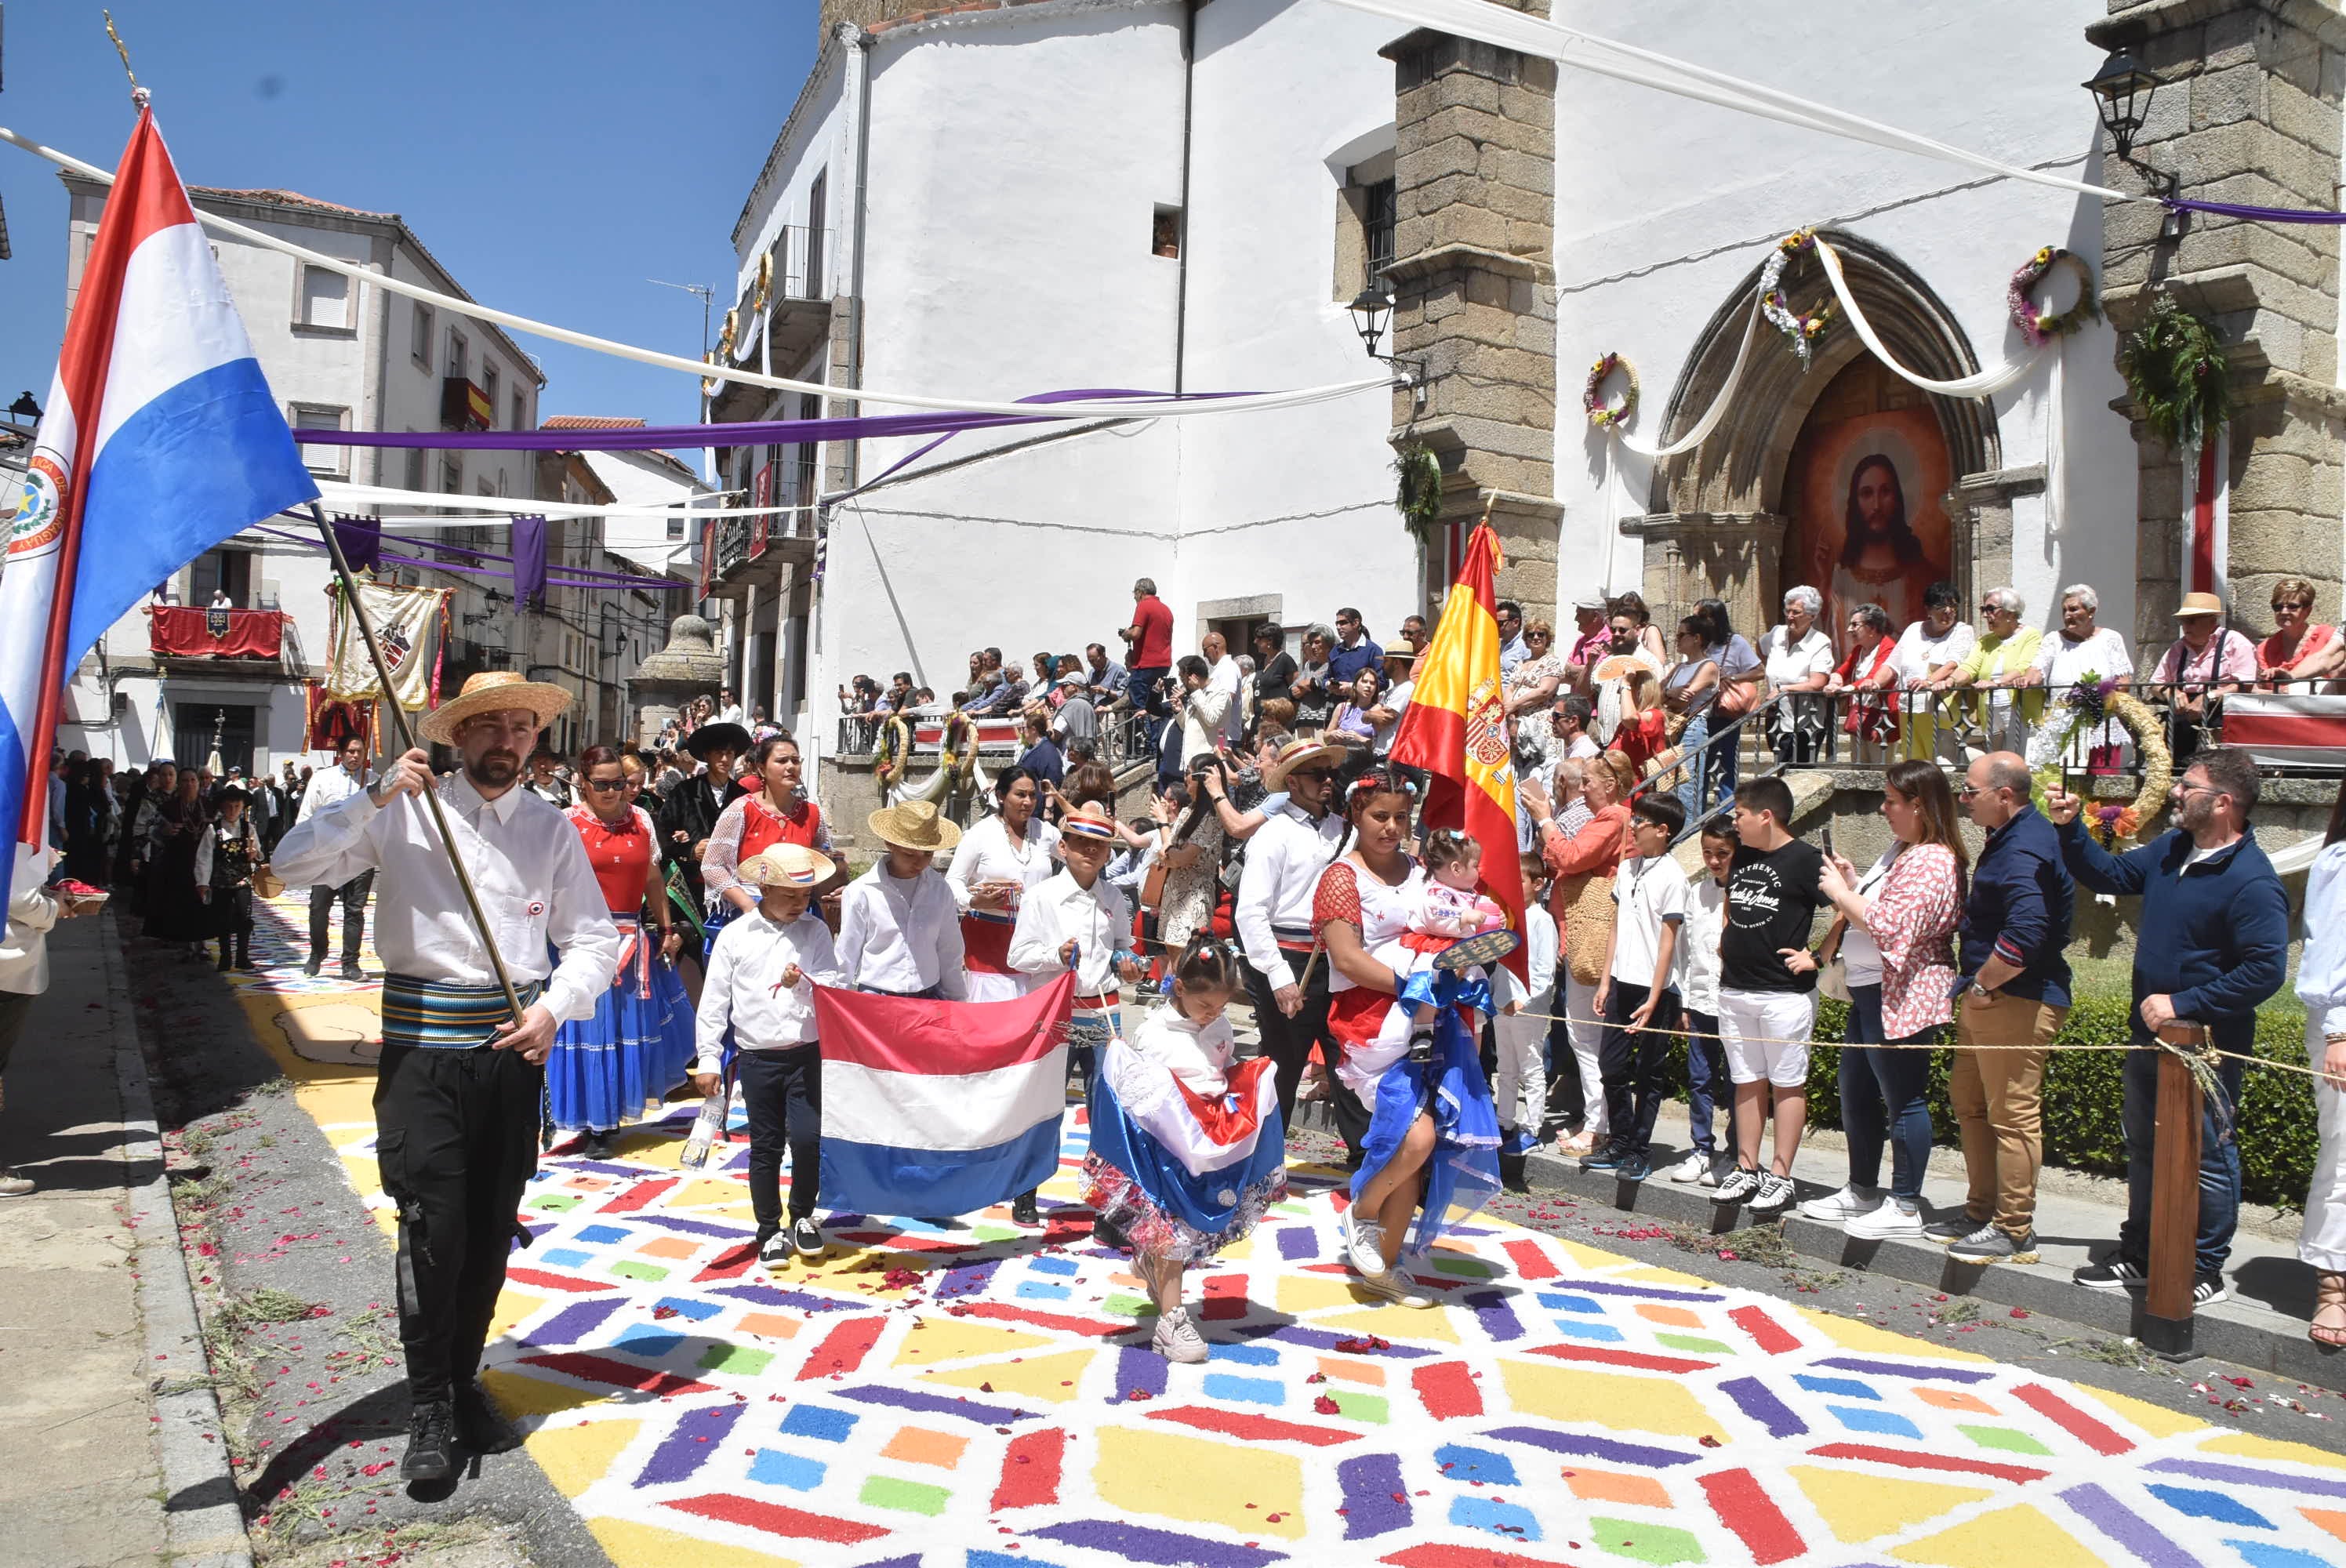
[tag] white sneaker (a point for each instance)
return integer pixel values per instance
(1887, 1219)
(1692, 1168)
(1364, 1245)
(1774, 1193)
(1396, 1288)
(1840, 1207)
(1738, 1185)
(1176, 1338)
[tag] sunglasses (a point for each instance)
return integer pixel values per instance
(2281, 608)
(604, 786)
(1311, 773)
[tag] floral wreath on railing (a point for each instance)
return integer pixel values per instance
(2041, 327)
(2088, 705)
(958, 750)
(1602, 415)
(892, 749)
(1802, 329)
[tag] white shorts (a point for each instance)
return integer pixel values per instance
(1766, 1035)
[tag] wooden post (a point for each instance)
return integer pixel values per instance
(2174, 1200)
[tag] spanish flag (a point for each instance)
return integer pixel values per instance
(1455, 727)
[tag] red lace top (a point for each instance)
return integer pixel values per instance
(621, 855)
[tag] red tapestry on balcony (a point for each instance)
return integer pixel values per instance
(332, 721)
(183, 631)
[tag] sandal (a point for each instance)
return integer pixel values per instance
(2329, 1298)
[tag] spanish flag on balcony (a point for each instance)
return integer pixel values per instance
(1455, 727)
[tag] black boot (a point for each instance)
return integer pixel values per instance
(479, 1426)
(1024, 1212)
(244, 953)
(228, 951)
(1511, 1173)
(430, 1443)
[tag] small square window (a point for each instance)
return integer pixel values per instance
(1165, 233)
(419, 342)
(325, 299)
(333, 459)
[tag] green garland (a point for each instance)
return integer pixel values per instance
(1417, 492)
(2175, 372)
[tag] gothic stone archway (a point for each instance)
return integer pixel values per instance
(1719, 513)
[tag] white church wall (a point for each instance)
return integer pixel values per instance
(1295, 505)
(1664, 204)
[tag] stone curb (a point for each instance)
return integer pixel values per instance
(204, 1523)
(2247, 1336)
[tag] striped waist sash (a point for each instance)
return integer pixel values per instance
(1293, 939)
(438, 1017)
(985, 942)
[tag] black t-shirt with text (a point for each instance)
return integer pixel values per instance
(1772, 899)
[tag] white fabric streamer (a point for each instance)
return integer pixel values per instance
(1984, 383)
(335, 493)
(1701, 428)
(2056, 414)
(1509, 29)
(1133, 408)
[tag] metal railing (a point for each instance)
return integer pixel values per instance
(1870, 728)
(1122, 735)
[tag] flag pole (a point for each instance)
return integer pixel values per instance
(407, 743)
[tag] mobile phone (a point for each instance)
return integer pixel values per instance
(1829, 843)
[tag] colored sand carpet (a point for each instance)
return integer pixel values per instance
(980, 1396)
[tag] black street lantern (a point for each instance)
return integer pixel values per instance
(1372, 308)
(2124, 90)
(24, 408)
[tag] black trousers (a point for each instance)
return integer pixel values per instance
(1634, 1063)
(782, 1092)
(1287, 1043)
(456, 1142)
(353, 894)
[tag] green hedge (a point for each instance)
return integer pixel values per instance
(2084, 1094)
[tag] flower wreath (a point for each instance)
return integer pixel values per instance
(958, 751)
(2040, 328)
(2088, 704)
(1602, 415)
(893, 748)
(1777, 306)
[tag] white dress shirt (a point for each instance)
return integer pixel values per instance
(327, 786)
(1224, 676)
(1199, 1054)
(744, 986)
(987, 855)
(528, 866)
(901, 936)
(1283, 862)
(1096, 919)
(33, 909)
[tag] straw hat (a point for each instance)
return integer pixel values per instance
(1088, 822)
(914, 825)
(786, 866)
(2199, 605)
(1300, 752)
(492, 691)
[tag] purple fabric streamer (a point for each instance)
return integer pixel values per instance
(529, 562)
(2257, 214)
(361, 541)
(759, 432)
(923, 450)
(569, 577)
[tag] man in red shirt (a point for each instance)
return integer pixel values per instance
(1148, 651)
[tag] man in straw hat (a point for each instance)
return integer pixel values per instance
(1287, 979)
(762, 978)
(457, 1090)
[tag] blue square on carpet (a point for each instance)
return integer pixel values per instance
(566, 1257)
(1602, 1332)
(1462, 1463)
(1041, 1291)
(1053, 1265)
(1244, 1391)
(685, 1306)
(2203, 1504)
(1842, 1386)
(1568, 1303)
(775, 1468)
(648, 1343)
(1498, 1518)
(1249, 1355)
(1883, 1422)
(603, 1235)
(819, 1423)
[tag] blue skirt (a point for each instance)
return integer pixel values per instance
(1463, 1171)
(610, 1070)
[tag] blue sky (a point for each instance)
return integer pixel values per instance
(552, 156)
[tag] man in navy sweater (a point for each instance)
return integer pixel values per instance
(2213, 944)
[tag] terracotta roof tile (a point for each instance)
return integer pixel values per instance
(589, 422)
(286, 199)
